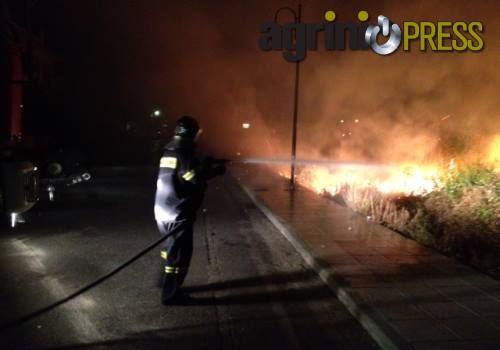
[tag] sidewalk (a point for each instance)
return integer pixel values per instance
(405, 295)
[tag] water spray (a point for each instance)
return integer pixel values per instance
(322, 162)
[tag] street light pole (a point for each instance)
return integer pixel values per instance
(297, 17)
(295, 116)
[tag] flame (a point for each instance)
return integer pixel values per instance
(405, 178)
(493, 155)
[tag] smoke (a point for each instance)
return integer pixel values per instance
(202, 58)
(410, 106)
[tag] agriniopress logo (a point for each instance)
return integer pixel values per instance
(384, 37)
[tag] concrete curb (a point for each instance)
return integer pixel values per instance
(378, 328)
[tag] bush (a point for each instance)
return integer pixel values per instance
(460, 218)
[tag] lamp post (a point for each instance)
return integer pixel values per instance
(297, 18)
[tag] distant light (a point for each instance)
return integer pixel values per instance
(21, 106)
(238, 154)
(157, 113)
(245, 125)
(341, 121)
(13, 219)
(356, 120)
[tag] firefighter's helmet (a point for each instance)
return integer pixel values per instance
(186, 127)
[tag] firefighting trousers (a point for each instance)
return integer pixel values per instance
(176, 252)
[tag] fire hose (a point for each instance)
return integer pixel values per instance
(86, 288)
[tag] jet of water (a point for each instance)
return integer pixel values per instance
(322, 162)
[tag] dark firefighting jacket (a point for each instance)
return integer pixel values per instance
(181, 182)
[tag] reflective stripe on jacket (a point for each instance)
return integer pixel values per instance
(181, 182)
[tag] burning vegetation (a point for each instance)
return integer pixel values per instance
(453, 207)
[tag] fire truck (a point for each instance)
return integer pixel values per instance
(28, 166)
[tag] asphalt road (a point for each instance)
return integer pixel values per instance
(250, 288)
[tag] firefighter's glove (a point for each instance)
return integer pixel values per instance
(214, 167)
(219, 166)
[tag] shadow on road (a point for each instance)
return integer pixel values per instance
(278, 278)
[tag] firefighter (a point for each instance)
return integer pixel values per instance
(180, 189)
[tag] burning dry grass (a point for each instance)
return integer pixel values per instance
(453, 209)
